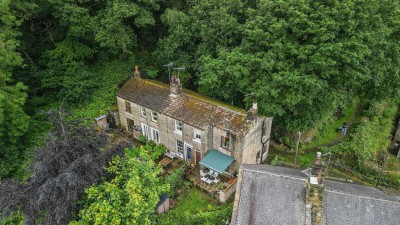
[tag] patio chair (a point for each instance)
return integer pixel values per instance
(216, 180)
(208, 181)
(215, 174)
(204, 179)
(202, 173)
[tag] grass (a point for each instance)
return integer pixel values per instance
(328, 133)
(194, 201)
(196, 207)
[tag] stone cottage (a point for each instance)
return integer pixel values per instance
(191, 125)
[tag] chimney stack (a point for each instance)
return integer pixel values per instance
(137, 73)
(175, 87)
(315, 194)
(252, 112)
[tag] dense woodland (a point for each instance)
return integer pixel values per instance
(302, 61)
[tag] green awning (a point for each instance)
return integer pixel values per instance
(217, 161)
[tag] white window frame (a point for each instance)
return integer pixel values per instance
(145, 130)
(177, 126)
(197, 135)
(155, 138)
(180, 154)
(143, 112)
(154, 116)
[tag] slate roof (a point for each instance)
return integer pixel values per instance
(346, 203)
(276, 195)
(189, 107)
(271, 195)
(163, 198)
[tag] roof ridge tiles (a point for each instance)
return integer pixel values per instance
(360, 196)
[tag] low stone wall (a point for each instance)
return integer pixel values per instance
(227, 192)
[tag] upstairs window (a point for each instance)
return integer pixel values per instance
(143, 112)
(178, 126)
(225, 142)
(154, 116)
(197, 135)
(128, 107)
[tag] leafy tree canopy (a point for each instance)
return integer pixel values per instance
(131, 197)
(300, 59)
(13, 121)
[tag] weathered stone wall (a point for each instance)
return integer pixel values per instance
(225, 194)
(252, 141)
(166, 127)
(243, 148)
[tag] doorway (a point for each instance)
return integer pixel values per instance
(198, 157)
(145, 130)
(188, 151)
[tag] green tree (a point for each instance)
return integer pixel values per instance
(13, 120)
(202, 27)
(129, 198)
(302, 59)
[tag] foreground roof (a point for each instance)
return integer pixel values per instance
(190, 107)
(276, 195)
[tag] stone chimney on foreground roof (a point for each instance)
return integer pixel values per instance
(252, 112)
(315, 194)
(137, 73)
(175, 87)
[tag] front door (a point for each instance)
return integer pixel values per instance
(188, 151)
(198, 157)
(145, 130)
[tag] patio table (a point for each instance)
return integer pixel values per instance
(165, 162)
(210, 177)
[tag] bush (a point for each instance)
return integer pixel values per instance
(286, 140)
(175, 180)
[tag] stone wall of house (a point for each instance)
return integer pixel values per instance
(252, 141)
(235, 146)
(243, 148)
(166, 127)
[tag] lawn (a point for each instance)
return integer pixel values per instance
(194, 201)
(196, 207)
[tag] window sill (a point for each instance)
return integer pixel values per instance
(178, 132)
(197, 140)
(180, 155)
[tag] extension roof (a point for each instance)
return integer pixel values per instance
(276, 195)
(189, 107)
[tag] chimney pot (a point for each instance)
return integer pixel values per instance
(252, 112)
(137, 73)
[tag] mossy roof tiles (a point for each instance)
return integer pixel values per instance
(189, 107)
